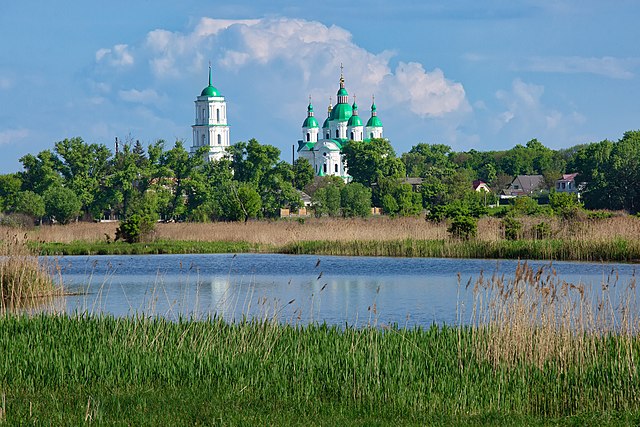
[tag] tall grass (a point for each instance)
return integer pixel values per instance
(24, 280)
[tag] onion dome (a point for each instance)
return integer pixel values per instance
(210, 90)
(310, 121)
(355, 118)
(325, 125)
(374, 121)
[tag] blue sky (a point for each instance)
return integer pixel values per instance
(482, 75)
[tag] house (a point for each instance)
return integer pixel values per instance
(523, 185)
(568, 184)
(481, 186)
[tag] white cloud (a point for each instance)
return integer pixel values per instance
(10, 136)
(117, 56)
(616, 68)
(145, 96)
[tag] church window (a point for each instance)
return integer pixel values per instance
(203, 114)
(352, 136)
(336, 167)
(324, 168)
(219, 139)
(371, 135)
(203, 139)
(337, 133)
(327, 134)
(308, 136)
(217, 115)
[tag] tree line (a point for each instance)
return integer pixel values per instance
(83, 180)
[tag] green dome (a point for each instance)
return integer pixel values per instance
(355, 121)
(374, 122)
(310, 122)
(325, 125)
(342, 92)
(341, 112)
(210, 91)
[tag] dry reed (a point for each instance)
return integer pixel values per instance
(25, 281)
(536, 318)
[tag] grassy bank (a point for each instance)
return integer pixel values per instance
(142, 371)
(552, 249)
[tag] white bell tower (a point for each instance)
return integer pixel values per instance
(210, 128)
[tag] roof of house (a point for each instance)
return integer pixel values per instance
(526, 183)
(567, 177)
(477, 183)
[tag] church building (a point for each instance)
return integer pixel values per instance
(323, 146)
(211, 129)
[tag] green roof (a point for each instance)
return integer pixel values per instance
(341, 112)
(355, 121)
(342, 92)
(310, 122)
(325, 125)
(374, 122)
(210, 91)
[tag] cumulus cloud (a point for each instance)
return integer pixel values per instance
(117, 56)
(616, 68)
(286, 51)
(524, 112)
(10, 136)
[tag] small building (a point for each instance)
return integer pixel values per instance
(568, 184)
(523, 185)
(479, 185)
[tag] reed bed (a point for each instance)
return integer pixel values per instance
(25, 281)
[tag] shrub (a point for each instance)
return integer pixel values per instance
(542, 230)
(136, 228)
(512, 228)
(463, 227)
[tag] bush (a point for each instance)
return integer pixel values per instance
(463, 227)
(137, 228)
(542, 231)
(511, 227)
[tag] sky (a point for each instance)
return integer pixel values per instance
(473, 75)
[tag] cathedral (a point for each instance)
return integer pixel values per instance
(211, 128)
(323, 147)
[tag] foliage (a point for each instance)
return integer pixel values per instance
(136, 228)
(303, 173)
(525, 205)
(398, 198)
(512, 228)
(326, 200)
(565, 205)
(542, 230)
(355, 200)
(368, 161)
(61, 204)
(463, 227)
(30, 203)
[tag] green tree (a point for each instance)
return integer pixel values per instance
(355, 200)
(30, 203)
(40, 172)
(423, 157)
(61, 204)
(368, 161)
(10, 185)
(303, 172)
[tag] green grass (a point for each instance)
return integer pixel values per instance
(148, 371)
(550, 249)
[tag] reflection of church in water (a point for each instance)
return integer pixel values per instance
(323, 147)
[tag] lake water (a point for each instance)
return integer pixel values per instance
(295, 288)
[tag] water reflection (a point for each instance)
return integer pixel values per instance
(295, 289)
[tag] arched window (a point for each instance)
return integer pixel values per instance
(217, 115)
(308, 137)
(203, 114)
(352, 136)
(324, 168)
(336, 167)
(371, 135)
(337, 133)
(203, 139)
(219, 139)
(327, 134)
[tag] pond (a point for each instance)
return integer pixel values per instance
(294, 288)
